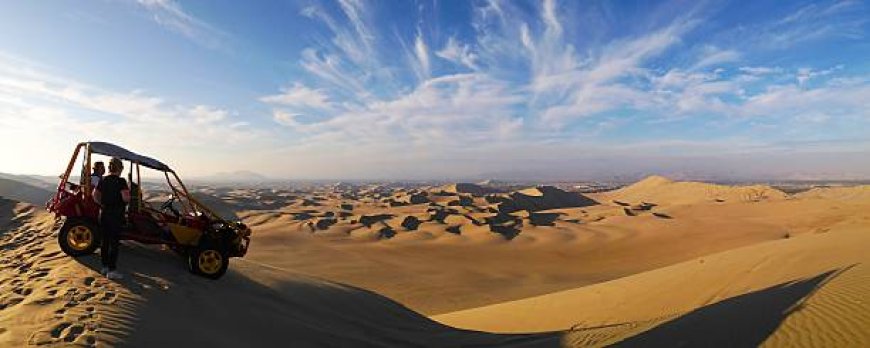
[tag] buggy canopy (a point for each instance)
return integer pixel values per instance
(113, 150)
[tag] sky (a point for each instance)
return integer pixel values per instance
(355, 89)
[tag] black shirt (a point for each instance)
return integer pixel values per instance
(110, 188)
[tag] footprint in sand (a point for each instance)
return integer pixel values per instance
(70, 293)
(32, 251)
(89, 281)
(22, 291)
(24, 267)
(44, 301)
(51, 254)
(109, 297)
(85, 297)
(87, 340)
(73, 332)
(37, 275)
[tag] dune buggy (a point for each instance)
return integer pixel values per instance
(181, 222)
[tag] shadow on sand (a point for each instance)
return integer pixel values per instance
(741, 321)
(259, 305)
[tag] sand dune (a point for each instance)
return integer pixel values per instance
(660, 190)
(51, 299)
(458, 261)
(854, 193)
(807, 291)
(543, 198)
(473, 189)
(344, 266)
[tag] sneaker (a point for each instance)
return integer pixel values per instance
(104, 271)
(115, 275)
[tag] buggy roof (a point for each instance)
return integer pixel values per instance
(113, 150)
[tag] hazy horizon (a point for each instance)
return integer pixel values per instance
(377, 90)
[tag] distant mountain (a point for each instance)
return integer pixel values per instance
(42, 181)
(241, 176)
(24, 192)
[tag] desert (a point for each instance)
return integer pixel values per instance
(431, 173)
(464, 264)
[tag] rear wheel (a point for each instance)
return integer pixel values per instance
(78, 237)
(208, 260)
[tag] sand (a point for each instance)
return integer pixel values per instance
(658, 262)
(808, 291)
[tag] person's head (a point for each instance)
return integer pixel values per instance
(99, 168)
(115, 166)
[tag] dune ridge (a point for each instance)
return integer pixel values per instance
(661, 190)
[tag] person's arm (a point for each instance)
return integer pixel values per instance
(98, 196)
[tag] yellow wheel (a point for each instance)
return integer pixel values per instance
(78, 237)
(208, 261)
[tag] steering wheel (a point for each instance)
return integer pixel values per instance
(168, 206)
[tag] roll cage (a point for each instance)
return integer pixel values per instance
(189, 204)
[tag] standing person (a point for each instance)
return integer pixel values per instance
(97, 173)
(112, 194)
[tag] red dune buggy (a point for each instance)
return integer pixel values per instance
(181, 222)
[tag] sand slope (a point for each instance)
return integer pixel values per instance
(805, 291)
(684, 270)
(434, 271)
(660, 190)
(50, 299)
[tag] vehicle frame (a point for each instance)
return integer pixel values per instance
(207, 239)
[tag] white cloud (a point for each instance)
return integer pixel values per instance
(458, 53)
(467, 106)
(421, 52)
(300, 96)
(287, 119)
(715, 56)
(329, 68)
(810, 23)
(355, 11)
(170, 15)
(760, 70)
(355, 43)
(204, 114)
(36, 105)
(529, 84)
(805, 74)
(572, 89)
(795, 101)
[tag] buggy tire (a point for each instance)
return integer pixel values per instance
(208, 260)
(78, 237)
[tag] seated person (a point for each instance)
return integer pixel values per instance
(97, 173)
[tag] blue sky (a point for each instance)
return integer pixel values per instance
(442, 89)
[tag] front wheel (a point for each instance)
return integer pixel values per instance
(209, 261)
(78, 237)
